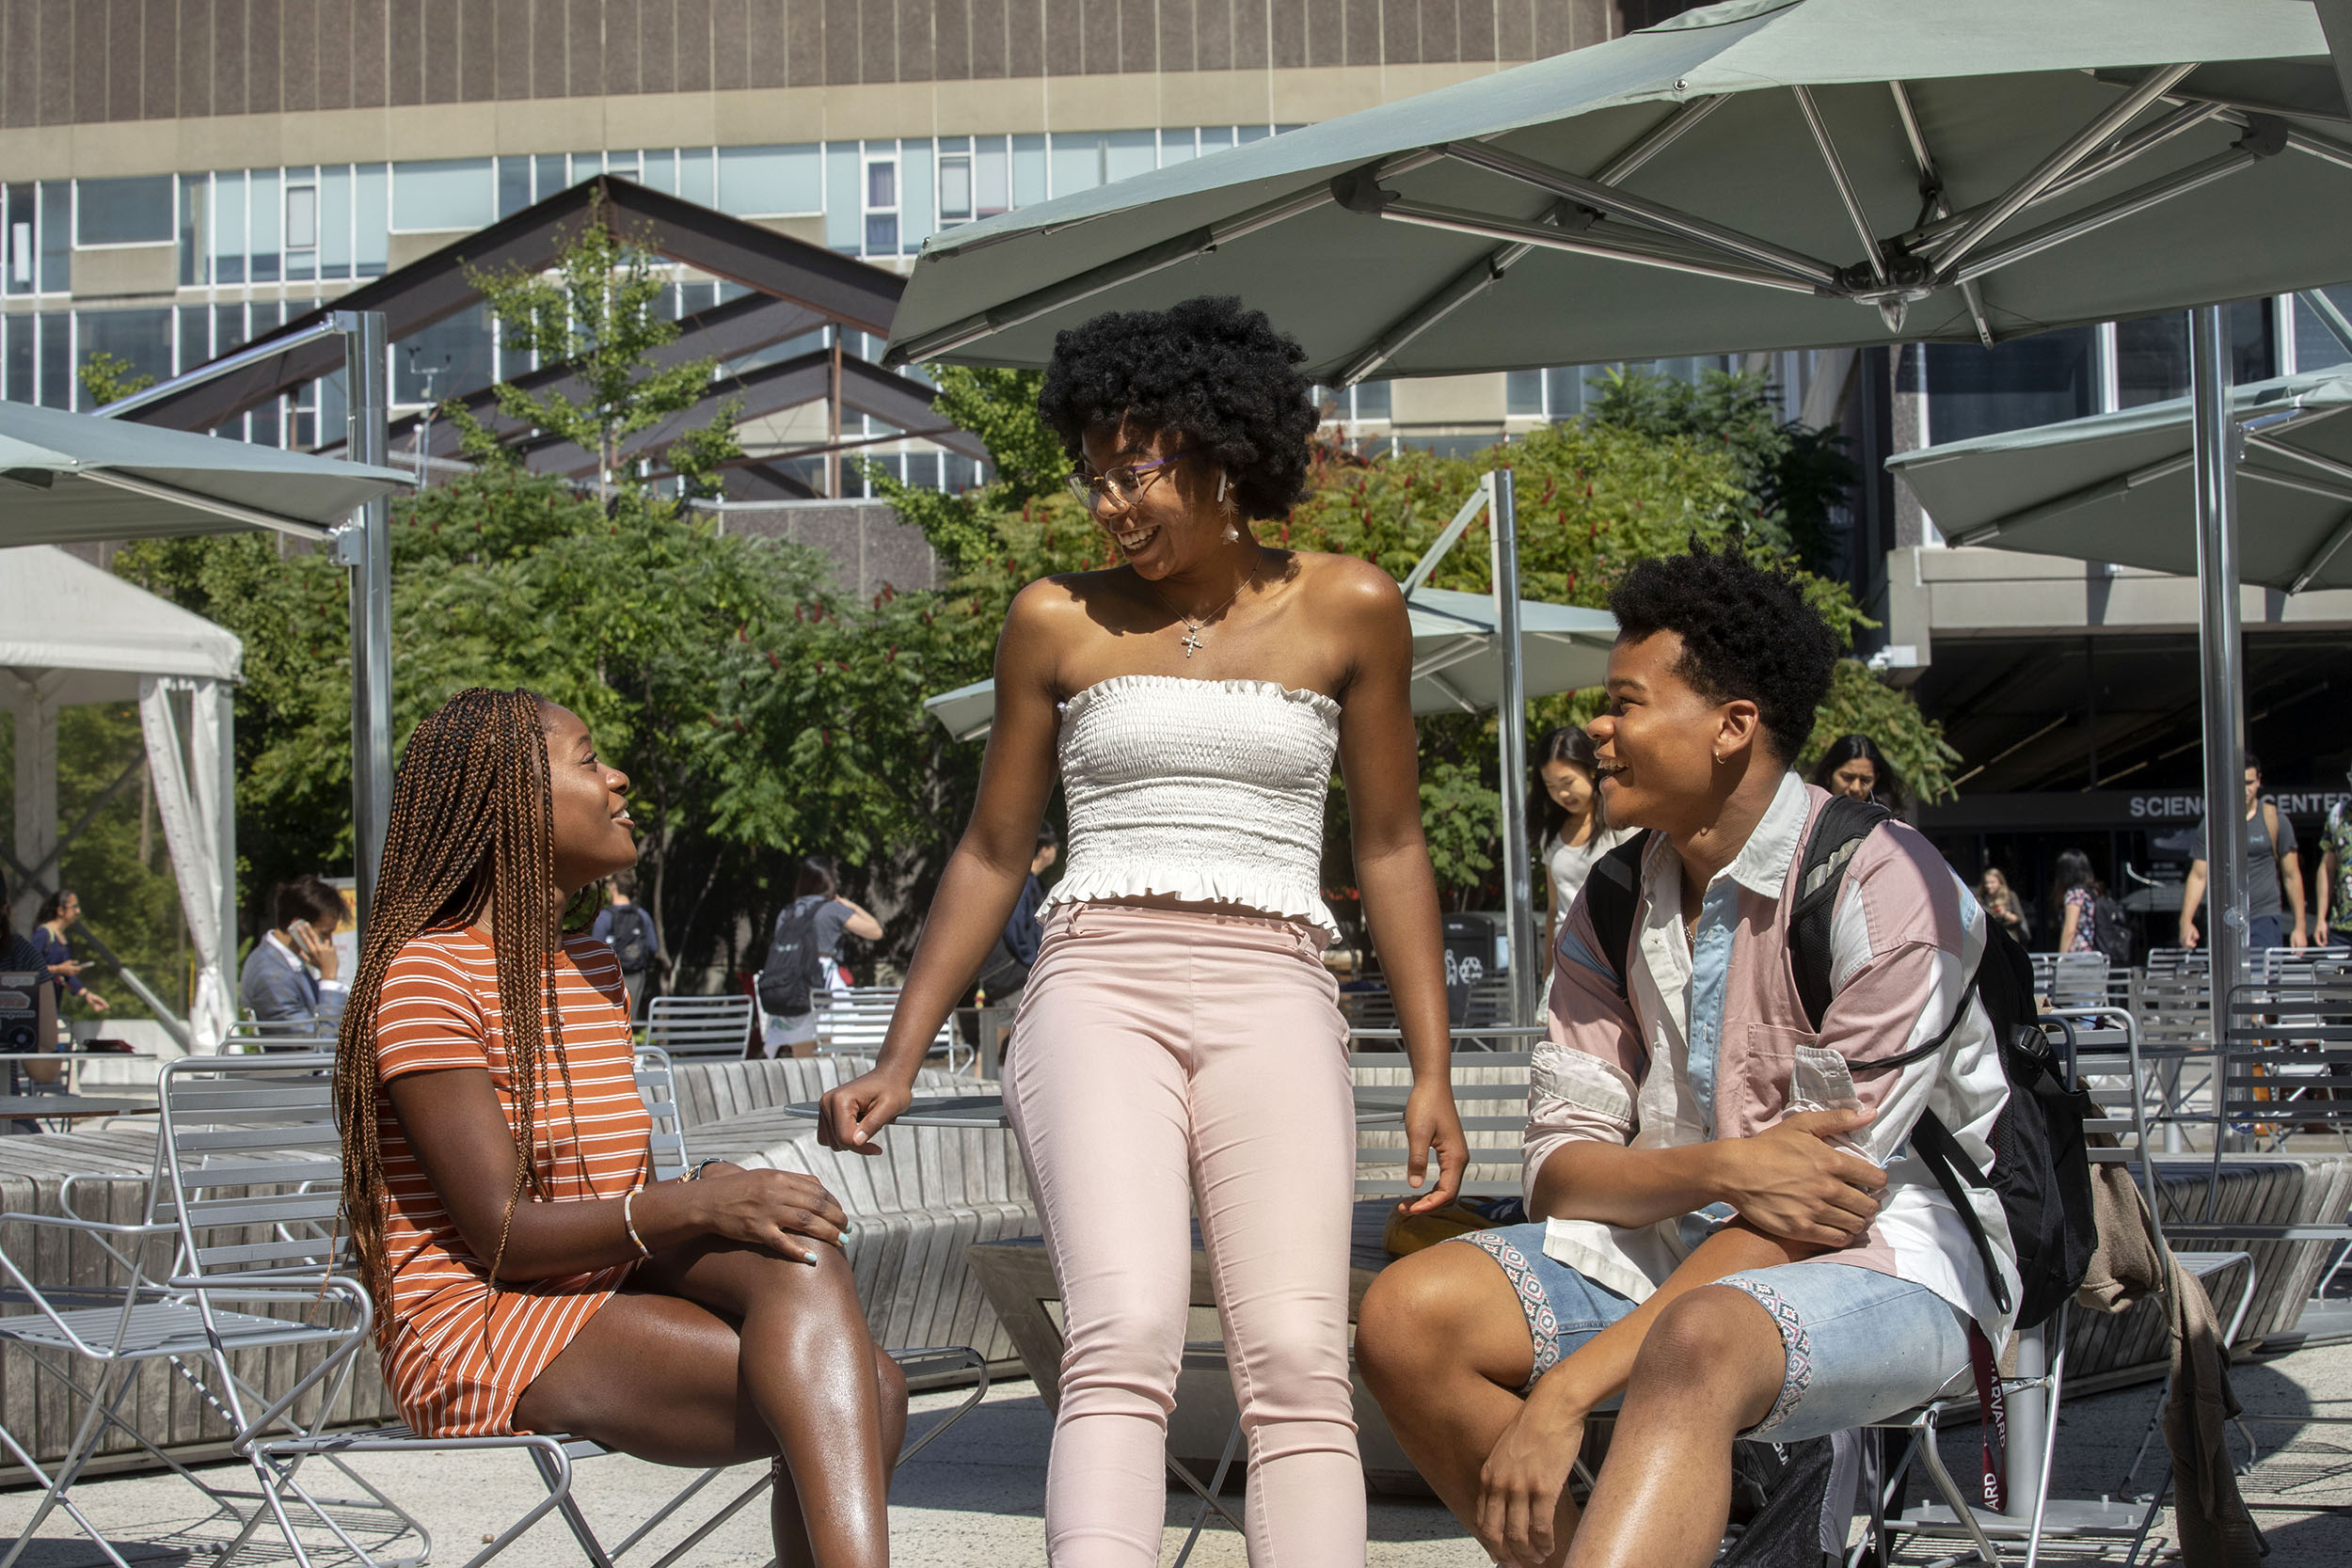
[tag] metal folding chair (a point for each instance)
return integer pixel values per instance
(554, 1454)
(701, 1027)
(235, 1254)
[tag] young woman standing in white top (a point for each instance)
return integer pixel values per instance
(1179, 1036)
(1565, 820)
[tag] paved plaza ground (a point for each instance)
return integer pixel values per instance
(974, 1498)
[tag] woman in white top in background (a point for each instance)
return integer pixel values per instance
(1564, 819)
(1179, 1036)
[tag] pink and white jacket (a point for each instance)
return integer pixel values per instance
(1711, 1041)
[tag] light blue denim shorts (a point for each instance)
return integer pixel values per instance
(1861, 1345)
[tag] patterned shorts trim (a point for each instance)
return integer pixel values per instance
(1543, 1323)
(1795, 1343)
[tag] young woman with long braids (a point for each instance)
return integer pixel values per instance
(489, 1113)
(1178, 1034)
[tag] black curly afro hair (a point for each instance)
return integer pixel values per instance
(1218, 376)
(1747, 632)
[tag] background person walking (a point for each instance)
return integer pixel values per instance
(804, 957)
(628, 928)
(2272, 868)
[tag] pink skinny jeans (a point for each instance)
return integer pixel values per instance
(1157, 1055)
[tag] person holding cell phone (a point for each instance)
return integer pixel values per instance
(291, 983)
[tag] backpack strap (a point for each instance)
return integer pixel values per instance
(1611, 893)
(1837, 832)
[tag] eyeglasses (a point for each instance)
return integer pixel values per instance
(1124, 483)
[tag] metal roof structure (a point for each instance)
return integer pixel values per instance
(797, 288)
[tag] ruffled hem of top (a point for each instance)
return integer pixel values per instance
(1286, 900)
(1329, 707)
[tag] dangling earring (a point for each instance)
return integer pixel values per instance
(1231, 532)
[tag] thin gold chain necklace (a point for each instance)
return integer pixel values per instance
(1193, 629)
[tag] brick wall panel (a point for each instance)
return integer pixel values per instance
(265, 80)
(1138, 35)
(298, 58)
(878, 40)
(159, 60)
(841, 41)
(1440, 30)
(1212, 35)
(805, 42)
(1361, 22)
(335, 21)
(1179, 35)
(695, 20)
(477, 51)
(1474, 22)
(654, 45)
(1592, 22)
(1097, 35)
(1253, 44)
(368, 43)
(917, 58)
(1058, 48)
(1515, 30)
(764, 52)
(1326, 33)
(84, 61)
(584, 48)
(120, 19)
(20, 63)
(951, 41)
(510, 50)
(991, 24)
(1555, 26)
(1400, 32)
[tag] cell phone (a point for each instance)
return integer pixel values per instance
(301, 929)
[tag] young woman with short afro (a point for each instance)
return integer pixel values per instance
(1218, 376)
(1179, 1040)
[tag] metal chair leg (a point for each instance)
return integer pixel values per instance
(1209, 1499)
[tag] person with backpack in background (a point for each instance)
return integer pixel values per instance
(2089, 919)
(1775, 1044)
(2272, 868)
(628, 928)
(2334, 903)
(804, 957)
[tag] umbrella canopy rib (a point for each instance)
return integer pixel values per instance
(1488, 269)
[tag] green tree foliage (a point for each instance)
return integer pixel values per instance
(599, 314)
(1001, 408)
(107, 376)
(116, 860)
(757, 714)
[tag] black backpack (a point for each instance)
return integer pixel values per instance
(2111, 931)
(2040, 1170)
(794, 971)
(632, 938)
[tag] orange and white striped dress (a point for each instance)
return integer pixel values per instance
(453, 1373)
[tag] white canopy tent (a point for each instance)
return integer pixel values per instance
(70, 633)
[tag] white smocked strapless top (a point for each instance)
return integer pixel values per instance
(1209, 791)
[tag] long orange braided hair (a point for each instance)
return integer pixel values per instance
(472, 827)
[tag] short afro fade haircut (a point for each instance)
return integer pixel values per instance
(1747, 632)
(1218, 377)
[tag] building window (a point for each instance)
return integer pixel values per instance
(123, 212)
(19, 252)
(2028, 381)
(432, 197)
(882, 202)
(771, 181)
(955, 188)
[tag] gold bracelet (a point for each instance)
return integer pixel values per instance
(629, 1223)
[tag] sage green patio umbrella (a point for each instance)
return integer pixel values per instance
(2120, 487)
(69, 477)
(1738, 178)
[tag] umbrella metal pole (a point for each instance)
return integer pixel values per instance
(1511, 739)
(366, 548)
(2221, 653)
